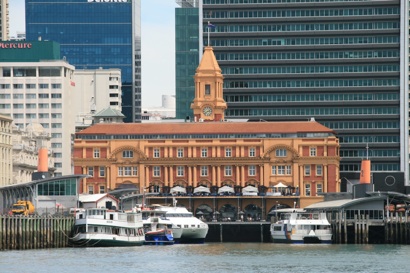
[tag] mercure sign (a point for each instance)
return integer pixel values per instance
(15, 45)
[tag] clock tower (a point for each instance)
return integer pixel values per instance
(208, 104)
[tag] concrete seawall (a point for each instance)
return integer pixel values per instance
(34, 232)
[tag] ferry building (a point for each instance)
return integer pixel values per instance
(261, 164)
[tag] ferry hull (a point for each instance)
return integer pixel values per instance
(309, 240)
(192, 236)
(159, 239)
(106, 243)
(295, 239)
(190, 240)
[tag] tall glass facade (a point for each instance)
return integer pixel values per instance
(187, 58)
(338, 61)
(94, 34)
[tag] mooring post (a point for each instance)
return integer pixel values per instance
(367, 228)
(220, 233)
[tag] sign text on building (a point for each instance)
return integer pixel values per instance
(15, 45)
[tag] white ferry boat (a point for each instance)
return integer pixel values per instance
(99, 227)
(193, 229)
(186, 228)
(301, 227)
(158, 230)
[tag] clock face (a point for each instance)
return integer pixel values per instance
(207, 111)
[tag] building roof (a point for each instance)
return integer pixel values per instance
(41, 181)
(208, 63)
(109, 112)
(93, 198)
(185, 128)
(342, 203)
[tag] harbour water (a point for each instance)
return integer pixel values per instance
(211, 257)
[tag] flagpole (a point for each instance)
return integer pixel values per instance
(208, 33)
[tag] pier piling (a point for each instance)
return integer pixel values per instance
(33, 232)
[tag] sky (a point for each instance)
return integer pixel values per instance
(158, 46)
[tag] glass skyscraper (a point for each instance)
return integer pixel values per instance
(94, 34)
(187, 55)
(342, 62)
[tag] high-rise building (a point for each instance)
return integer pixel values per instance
(4, 20)
(94, 34)
(97, 89)
(341, 62)
(187, 54)
(36, 91)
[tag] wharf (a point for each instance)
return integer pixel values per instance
(238, 231)
(35, 232)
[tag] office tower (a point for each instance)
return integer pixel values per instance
(37, 91)
(336, 61)
(97, 89)
(94, 34)
(4, 20)
(187, 54)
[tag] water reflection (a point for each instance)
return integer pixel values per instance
(217, 257)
